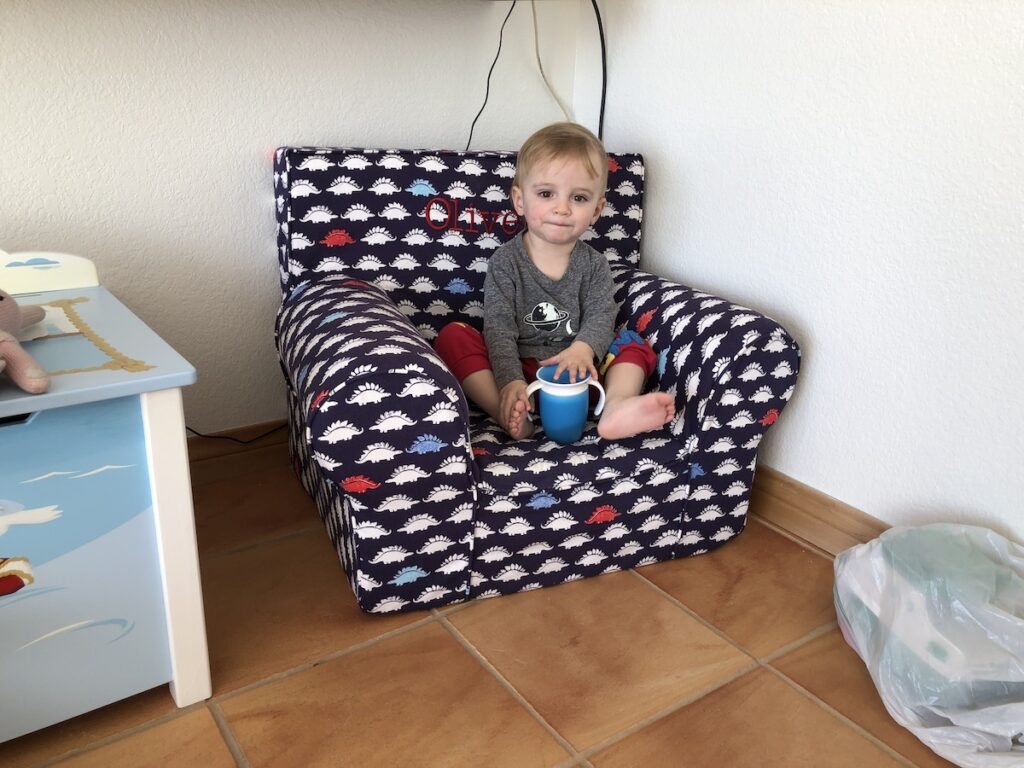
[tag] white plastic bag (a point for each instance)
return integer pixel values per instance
(937, 614)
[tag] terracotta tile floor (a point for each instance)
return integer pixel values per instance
(731, 659)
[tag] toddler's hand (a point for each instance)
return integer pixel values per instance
(577, 358)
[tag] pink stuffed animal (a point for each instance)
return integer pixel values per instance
(21, 366)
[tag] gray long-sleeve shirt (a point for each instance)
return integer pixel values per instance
(527, 314)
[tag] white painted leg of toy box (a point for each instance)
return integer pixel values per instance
(167, 451)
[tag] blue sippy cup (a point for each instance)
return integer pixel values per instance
(564, 405)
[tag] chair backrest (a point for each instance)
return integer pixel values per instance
(421, 224)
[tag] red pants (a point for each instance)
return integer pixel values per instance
(463, 350)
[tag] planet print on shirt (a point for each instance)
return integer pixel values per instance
(545, 317)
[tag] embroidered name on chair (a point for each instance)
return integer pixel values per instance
(441, 213)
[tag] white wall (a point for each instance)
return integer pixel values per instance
(855, 170)
(140, 135)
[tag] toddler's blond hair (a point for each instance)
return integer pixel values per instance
(563, 140)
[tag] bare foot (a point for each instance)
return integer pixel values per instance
(519, 427)
(633, 415)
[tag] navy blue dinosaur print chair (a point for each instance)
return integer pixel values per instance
(427, 501)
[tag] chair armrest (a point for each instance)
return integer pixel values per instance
(706, 345)
(733, 370)
(387, 423)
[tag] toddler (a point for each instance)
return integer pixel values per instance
(549, 298)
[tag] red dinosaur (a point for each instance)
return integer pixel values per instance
(320, 397)
(358, 484)
(603, 514)
(645, 320)
(770, 418)
(337, 237)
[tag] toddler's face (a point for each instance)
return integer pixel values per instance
(559, 200)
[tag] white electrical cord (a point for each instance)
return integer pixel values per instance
(540, 66)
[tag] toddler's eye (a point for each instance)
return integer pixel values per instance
(581, 198)
(544, 193)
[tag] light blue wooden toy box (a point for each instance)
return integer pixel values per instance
(99, 578)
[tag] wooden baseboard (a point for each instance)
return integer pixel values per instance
(809, 514)
(221, 444)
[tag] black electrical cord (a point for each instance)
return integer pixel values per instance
(604, 69)
(235, 439)
(487, 93)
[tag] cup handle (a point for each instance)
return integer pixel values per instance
(600, 400)
(533, 388)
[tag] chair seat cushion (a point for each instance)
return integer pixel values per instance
(589, 468)
(548, 513)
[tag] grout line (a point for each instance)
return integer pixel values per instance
(765, 664)
(119, 735)
(682, 606)
(448, 610)
(814, 548)
(278, 676)
(814, 634)
(859, 729)
(651, 719)
(213, 703)
(811, 636)
(486, 664)
(228, 735)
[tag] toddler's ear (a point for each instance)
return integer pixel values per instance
(517, 199)
(598, 210)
